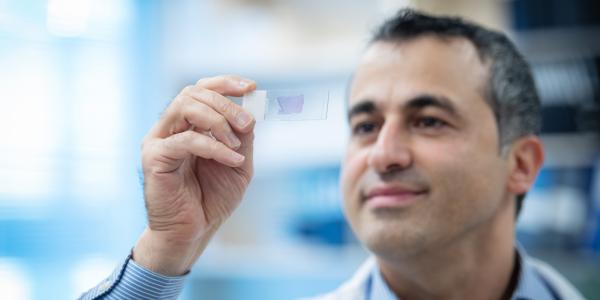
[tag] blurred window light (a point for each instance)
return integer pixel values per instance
(68, 18)
(60, 101)
(26, 180)
(109, 19)
(28, 109)
(31, 121)
(14, 282)
(106, 19)
(23, 20)
(96, 182)
(98, 117)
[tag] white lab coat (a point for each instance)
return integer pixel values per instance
(355, 288)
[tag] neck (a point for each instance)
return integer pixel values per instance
(478, 265)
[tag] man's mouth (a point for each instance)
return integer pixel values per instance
(392, 196)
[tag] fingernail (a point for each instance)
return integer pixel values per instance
(243, 119)
(244, 83)
(236, 158)
(233, 140)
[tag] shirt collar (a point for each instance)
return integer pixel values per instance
(530, 284)
(379, 290)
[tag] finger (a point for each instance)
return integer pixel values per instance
(237, 116)
(247, 150)
(228, 85)
(204, 118)
(170, 123)
(171, 152)
(197, 109)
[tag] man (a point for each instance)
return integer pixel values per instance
(443, 117)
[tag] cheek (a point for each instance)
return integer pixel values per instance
(467, 177)
(355, 164)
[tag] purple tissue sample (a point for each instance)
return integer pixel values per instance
(290, 104)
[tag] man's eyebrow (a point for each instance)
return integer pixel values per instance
(417, 103)
(362, 107)
(426, 100)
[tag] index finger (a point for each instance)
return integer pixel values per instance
(228, 85)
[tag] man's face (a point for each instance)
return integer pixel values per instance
(422, 167)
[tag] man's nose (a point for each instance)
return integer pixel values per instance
(391, 151)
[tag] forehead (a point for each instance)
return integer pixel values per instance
(449, 67)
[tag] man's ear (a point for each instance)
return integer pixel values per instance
(526, 158)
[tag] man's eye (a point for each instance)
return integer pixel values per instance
(364, 128)
(429, 122)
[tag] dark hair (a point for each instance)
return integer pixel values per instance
(510, 90)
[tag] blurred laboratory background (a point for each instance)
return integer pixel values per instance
(82, 81)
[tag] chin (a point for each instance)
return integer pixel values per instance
(390, 240)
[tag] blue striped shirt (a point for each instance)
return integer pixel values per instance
(132, 281)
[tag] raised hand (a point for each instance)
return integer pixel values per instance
(197, 164)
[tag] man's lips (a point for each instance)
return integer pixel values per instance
(392, 196)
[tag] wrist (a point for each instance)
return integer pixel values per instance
(161, 254)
